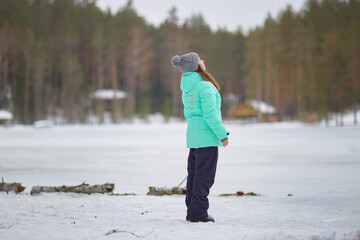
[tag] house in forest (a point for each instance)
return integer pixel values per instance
(108, 102)
(5, 117)
(108, 94)
(254, 111)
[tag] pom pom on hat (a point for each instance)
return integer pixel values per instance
(176, 60)
(188, 62)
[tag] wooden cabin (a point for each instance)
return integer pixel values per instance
(5, 117)
(254, 111)
(108, 97)
(106, 104)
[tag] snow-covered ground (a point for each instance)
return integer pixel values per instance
(319, 166)
(347, 119)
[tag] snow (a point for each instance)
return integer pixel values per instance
(5, 115)
(348, 119)
(156, 118)
(319, 166)
(109, 94)
(43, 123)
(262, 107)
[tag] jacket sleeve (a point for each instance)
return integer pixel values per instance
(210, 113)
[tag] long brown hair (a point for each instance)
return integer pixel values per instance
(207, 77)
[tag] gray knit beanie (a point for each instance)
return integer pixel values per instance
(188, 62)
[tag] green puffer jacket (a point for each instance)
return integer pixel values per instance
(202, 105)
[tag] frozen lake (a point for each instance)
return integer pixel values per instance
(286, 158)
(319, 166)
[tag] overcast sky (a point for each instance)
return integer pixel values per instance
(217, 13)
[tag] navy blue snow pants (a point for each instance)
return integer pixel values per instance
(201, 175)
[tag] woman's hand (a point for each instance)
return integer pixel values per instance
(225, 143)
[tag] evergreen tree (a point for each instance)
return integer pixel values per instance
(55, 54)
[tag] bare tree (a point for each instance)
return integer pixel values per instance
(137, 62)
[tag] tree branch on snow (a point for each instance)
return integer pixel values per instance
(166, 191)
(239, 193)
(121, 231)
(82, 188)
(7, 187)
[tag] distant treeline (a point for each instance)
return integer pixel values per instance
(55, 53)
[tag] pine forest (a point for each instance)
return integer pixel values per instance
(54, 54)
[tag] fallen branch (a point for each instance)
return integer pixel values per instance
(7, 187)
(122, 194)
(82, 188)
(166, 191)
(239, 193)
(120, 231)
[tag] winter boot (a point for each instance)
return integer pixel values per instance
(207, 219)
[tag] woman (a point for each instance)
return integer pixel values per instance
(205, 132)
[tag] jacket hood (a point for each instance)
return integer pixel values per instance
(189, 80)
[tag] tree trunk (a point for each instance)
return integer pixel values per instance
(116, 103)
(277, 89)
(63, 88)
(175, 47)
(355, 65)
(132, 67)
(299, 76)
(7, 187)
(166, 191)
(2, 36)
(27, 82)
(5, 64)
(99, 81)
(82, 188)
(267, 71)
(38, 79)
(258, 79)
